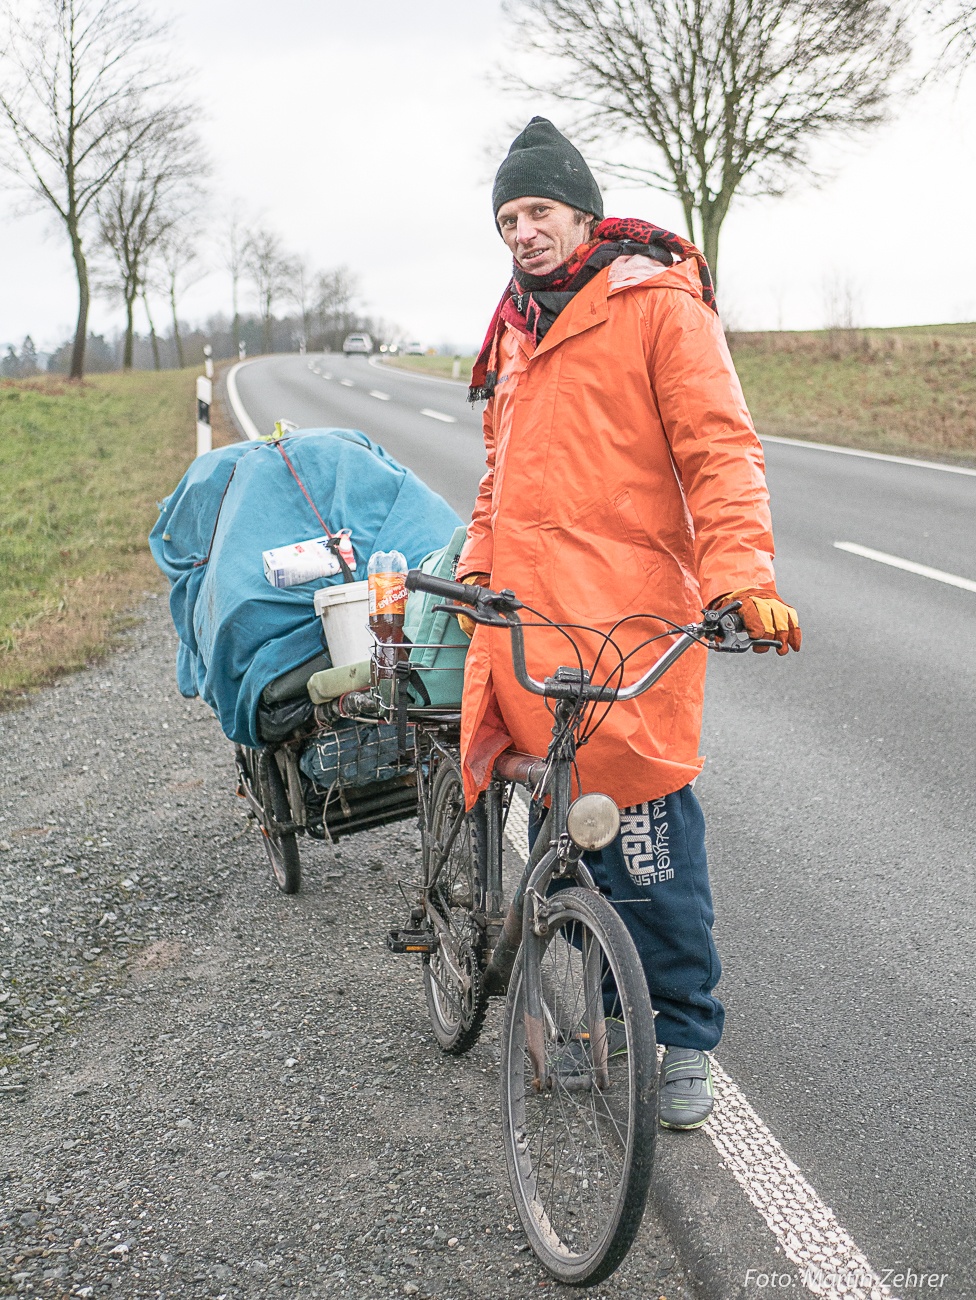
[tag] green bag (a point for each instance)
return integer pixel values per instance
(439, 645)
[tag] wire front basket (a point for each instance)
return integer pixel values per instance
(424, 679)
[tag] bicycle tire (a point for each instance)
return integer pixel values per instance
(581, 1204)
(282, 849)
(456, 1009)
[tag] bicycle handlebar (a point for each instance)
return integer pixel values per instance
(722, 627)
(469, 594)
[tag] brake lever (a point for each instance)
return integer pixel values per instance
(476, 615)
(730, 636)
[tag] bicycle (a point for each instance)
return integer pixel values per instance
(578, 1053)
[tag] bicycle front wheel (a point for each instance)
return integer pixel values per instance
(579, 1089)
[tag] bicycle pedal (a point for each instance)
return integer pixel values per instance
(419, 941)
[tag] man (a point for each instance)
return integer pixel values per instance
(624, 478)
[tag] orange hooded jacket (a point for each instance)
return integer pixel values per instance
(624, 477)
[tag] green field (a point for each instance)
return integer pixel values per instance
(911, 391)
(81, 470)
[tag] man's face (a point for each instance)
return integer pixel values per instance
(540, 232)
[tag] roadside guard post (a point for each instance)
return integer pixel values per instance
(204, 431)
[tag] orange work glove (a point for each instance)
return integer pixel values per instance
(468, 625)
(766, 617)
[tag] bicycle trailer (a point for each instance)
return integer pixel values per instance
(252, 649)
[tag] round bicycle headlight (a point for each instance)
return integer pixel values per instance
(593, 821)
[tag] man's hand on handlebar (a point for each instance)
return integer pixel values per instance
(766, 618)
(465, 623)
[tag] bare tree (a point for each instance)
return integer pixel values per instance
(82, 89)
(842, 301)
(149, 195)
(272, 271)
(721, 96)
(335, 291)
(179, 266)
(153, 336)
(955, 23)
(301, 290)
(233, 247)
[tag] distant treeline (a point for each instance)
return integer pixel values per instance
(104, 354)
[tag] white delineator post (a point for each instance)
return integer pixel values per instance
(204, 399)
(456, 367)
(208, 360)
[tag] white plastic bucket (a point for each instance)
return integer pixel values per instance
(344, 611)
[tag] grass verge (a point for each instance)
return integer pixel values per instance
(82, 467)
(906, 391)
(442, 367)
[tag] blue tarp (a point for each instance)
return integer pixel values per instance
(238, 633)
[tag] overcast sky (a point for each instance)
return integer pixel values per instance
(359, 131)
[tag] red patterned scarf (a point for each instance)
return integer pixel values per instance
(531, 302)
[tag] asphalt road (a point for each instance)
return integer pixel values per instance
(839, 798)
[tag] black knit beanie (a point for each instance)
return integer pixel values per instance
(542, 162)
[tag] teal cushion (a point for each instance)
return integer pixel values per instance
(439, 645)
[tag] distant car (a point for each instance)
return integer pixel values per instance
(414, 349)
(357, 345)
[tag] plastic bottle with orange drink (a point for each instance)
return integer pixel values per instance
(386, 575)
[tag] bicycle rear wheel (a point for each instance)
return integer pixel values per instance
(579, 1090)
(281, 847)
(454, 857)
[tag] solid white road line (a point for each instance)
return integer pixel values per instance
(251, 430)
(870, 455)
(806, 1230)
(517, 827)
(380, 364)
(383, 397)
(438, 415)
(923, 570)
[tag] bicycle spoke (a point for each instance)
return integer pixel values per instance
(580, 1147)
(456, 1000)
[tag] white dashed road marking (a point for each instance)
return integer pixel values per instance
(438, 415)
(383, 397)
(807, 1230)
(909, 566)
(347, 383)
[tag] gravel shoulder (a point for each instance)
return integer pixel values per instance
(208, 1089)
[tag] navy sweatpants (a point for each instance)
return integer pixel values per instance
(656, 875)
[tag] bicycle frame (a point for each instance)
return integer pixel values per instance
(554, 854)
(578, 991)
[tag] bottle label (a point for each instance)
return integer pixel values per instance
(387, 595)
